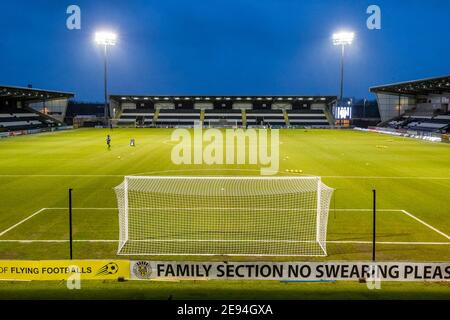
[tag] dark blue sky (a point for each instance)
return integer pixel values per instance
(221, 46)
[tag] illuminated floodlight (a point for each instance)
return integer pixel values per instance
(105, 38)
(343, 38)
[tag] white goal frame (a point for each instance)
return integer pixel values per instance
(297, 222)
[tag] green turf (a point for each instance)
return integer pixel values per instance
(411, 175)
(211, 290)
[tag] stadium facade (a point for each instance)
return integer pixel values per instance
(223, 111)
(26, 108)
(419, 105)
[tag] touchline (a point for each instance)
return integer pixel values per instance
(229, 146)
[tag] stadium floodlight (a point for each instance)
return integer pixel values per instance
(105, 39)
(342, 39)
(252, 216)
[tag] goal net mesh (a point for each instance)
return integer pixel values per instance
(255, 216)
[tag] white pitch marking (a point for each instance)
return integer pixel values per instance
(166, 171)
(330, 241)
(389, 242)
(22, 221)
(381, 177)
(426, 224)
(56, 241)
(220, 208)
(62, 208)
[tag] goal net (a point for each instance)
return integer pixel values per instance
(254, 216)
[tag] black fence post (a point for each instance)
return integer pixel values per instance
(374, 231)
(70, 222)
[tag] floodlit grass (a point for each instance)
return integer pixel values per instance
(36, 172)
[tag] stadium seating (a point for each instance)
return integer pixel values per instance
(427, 123)
(177, 117)
(14, 119)
(223, 117)
(137, 116)
(224, 114)
(265, 116)
(312, 118)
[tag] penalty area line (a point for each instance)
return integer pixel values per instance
(426, 224)
(22, 221)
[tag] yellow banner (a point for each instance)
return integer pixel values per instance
(63, 269)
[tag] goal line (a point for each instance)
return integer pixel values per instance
(43, 210)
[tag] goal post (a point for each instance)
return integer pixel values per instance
(242, 216)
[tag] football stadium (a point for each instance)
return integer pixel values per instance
(207, 196)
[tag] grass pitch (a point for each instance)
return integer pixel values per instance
(412, 179)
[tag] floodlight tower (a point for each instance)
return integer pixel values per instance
(106, 39)
(342, 39)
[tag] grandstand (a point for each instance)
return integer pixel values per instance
(23, 109)
(419, 105)
(223, 111)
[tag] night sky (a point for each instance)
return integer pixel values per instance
(223, 47)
